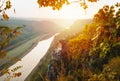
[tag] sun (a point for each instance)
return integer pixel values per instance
(72, 11)
(68, 12)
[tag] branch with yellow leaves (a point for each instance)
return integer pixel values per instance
(57, 4)
(3, 8)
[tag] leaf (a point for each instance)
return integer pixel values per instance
(18, 28)
(117, 4)
(4, 71)
(2, 54)
(8, 4)
(116, 44)
(17, 74)
(5, 16)
(95, 37)
(16, 68)
(6, 42)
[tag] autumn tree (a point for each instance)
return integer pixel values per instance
(57, 4)
(99, 40)
(6, 33)
(5, 5)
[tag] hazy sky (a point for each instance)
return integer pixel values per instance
(30, 9)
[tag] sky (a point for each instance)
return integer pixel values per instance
(30, 9)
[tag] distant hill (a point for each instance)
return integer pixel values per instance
(31, 28)
(31, 33)
(34, 27)
(30, 25)
(79, 24)
(75, 28)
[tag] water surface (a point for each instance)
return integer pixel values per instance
(31, 59)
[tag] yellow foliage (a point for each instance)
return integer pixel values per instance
(5, 16)
(79, 44)
(2, 53)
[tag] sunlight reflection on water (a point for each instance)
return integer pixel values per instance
(29, 61)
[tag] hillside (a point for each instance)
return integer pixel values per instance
(41, 68)
(30, 29)
(88, 53)
(30, 34)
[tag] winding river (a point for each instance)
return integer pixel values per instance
(29, 61)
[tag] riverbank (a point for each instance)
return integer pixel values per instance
(29, 61)
(16, 54)
(39, 72)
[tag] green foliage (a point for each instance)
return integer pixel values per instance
(88, 55)
(112, 68)
(105, 37)
(93, 55)
(111, 71)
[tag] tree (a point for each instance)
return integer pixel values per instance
(82, 45)
(7, 34)
(57, 4)
(3, 8)
(94, 47)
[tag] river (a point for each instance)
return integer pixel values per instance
(30, 60)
